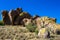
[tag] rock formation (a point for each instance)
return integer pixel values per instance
(15, 17)
(43, 33)
(6, 18)
(19, 17)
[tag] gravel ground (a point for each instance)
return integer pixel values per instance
(20, 33)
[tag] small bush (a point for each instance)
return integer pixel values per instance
(1, 23)
(31, 27)
(36, 31)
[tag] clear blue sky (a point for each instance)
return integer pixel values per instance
(49, 8)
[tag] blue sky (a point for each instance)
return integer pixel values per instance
(50, 8)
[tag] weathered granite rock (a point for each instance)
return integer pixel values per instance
(19, 10)
(18, 21)
(13, 14)
(42, 22)
(43, 33)
(21, 17)
(25, 15)
(6, 18)
(45, 22)
(55, 28)
(18, 17)
(35, 17)
(15, 17)
(27, 21)
(53, 19)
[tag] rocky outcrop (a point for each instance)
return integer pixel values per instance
(43, 33)
(45, 25)
(6, 18)
(15, 17)
(27, 21)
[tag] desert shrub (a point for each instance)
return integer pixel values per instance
(36, 31)
(1, 23)
(31, 27)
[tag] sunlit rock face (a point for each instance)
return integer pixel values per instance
(43, 33)
(44, 21)
(56, 28)
(27, 21)
(41, 22)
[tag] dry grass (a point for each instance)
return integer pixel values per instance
(20, 33)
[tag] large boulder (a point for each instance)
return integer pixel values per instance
(13, 15)
(42, 22)
(18, 21)
(56, 28)
(6, 19)
(21, 17)
(27, 21)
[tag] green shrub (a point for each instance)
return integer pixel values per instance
(31, 27)
(36, 31)
(1, 23)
